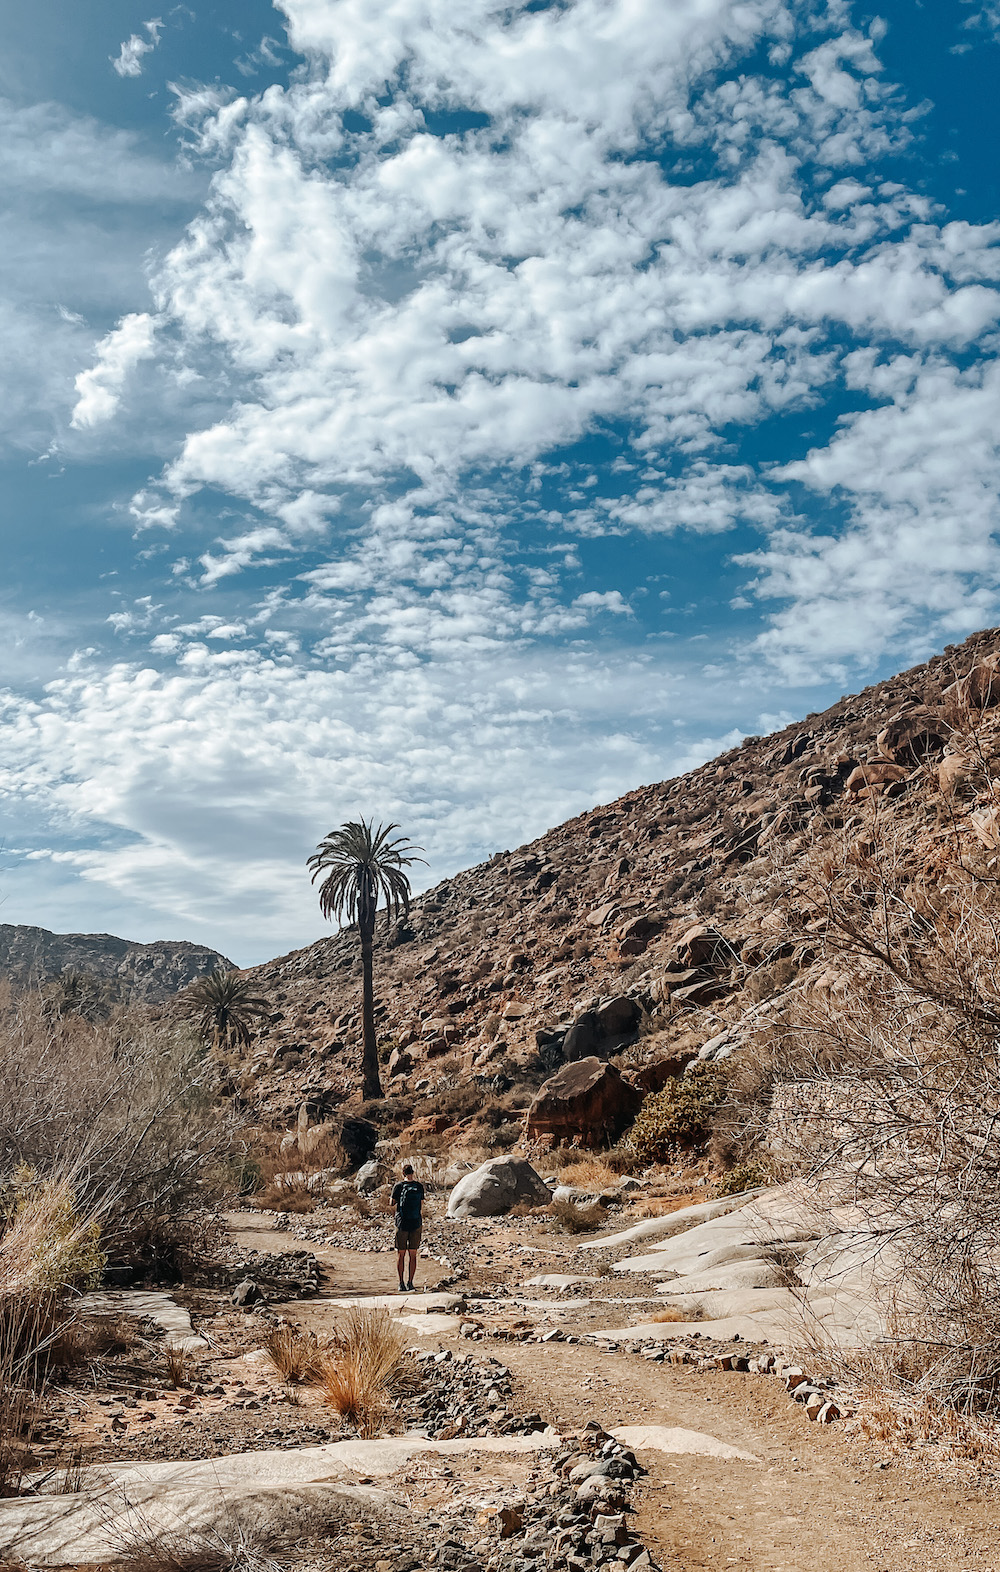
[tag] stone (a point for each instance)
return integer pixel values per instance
(618, 1016)
(980, 688)
(699, 992)
(913, 736)
(400, 1062)
(246, 1294)
(510, 1521)
(495, 1187)
(588, 1100)
(953, 774)
(583, 1038)
(703, 946)
(868, 775)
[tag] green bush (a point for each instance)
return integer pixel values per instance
(747, 1175)
(681, 1114)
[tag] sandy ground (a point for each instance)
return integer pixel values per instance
(813, 1503)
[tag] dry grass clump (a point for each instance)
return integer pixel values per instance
(675, 1313)
(178, 1362)
(297, 1356)
(577, 1219)
(237, 1550)
(47, 1247)
(588, 1173)
(357, 1376)
(661, 1205)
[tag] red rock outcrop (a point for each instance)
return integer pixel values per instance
(589, 1102)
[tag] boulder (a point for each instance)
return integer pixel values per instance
(492, 1189)
(913, 735)
(589, 1101)
(583, 1038)
(355, 1139)
(703, 946)
(368, 1177)
(980, 688)
(618, 1016)
(246, 1293)
(868, 775)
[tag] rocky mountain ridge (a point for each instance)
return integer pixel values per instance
(137, 973)
(676, 915)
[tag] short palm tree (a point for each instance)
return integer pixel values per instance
(225, 1006)
(362, 865)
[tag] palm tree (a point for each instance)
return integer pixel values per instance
(224, 1006)
(362, 865)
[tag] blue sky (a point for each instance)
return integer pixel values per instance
(465, 414)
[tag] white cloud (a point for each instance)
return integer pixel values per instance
(389, 346)
(919, 561)
(99, 388)
(206, 787)
(128, 62)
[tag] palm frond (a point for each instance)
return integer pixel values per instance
(224, 1006)
(363, 867)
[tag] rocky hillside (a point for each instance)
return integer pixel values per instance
(145, 973)
(658, 922)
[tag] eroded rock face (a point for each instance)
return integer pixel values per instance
(494, 1188)
(588, 1101)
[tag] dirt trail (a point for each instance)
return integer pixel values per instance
(808, 1505)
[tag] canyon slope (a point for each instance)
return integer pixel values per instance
(673, 917)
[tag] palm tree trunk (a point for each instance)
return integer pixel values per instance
(371, 1084)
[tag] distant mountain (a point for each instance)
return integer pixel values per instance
(146, 973)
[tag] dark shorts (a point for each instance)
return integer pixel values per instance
(408, 1238)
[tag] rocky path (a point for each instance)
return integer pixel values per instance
(733, 1475)
(809, 1504)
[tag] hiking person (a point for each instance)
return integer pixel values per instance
(408, 1199)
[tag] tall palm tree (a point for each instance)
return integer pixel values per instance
(363, 865)
(224, 1006)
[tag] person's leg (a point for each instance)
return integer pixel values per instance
(400, 1263)
(413, 1268)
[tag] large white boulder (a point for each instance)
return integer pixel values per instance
(496, 1186)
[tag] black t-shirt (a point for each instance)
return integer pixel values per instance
(407, 1198)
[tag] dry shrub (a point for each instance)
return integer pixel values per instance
(577, 1219)
(681, 1115)
(297, 1356)
(357, 1377)
(125, 1107)
(882, 1087)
